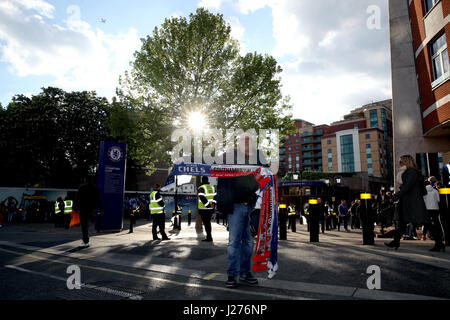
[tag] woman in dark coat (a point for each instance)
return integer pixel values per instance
(411, 204)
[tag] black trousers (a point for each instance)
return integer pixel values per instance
(206, 219)
(159, 220)
(436, 226)
(292, 223)
(84, 219)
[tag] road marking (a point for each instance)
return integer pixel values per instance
(114, 292)
(303, 287)
(194, 285)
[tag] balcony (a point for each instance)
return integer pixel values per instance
(312, 148)
(308, 141)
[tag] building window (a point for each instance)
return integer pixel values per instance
(439, 59)
(374, 118)
(347, 153)
(370, 171)
(383, 121)
(329, 141)
(368, 146)
(367, 136)
(290, 161)
(330, 160)
(429, 4)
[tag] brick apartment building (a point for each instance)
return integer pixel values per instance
(361, 142)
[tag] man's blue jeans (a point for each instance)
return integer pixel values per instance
(240, 242)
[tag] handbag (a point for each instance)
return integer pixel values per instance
(74, 218)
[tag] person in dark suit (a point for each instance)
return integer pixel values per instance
(87, 201)
(411, 206)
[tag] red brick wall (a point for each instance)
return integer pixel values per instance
(416, 11)
(346, 126)
(436, 117)
(424, 68)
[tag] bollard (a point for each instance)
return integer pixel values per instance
(313, 220)
(131, 221)
(367, 219)
(445, 213)
(99, 216)
(283, 220)
(189, 218)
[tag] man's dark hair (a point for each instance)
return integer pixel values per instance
(205, 180)
(427, 183)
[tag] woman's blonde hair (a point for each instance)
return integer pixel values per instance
(409, 162)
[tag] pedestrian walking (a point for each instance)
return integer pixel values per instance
(411, 206)
(59, 212)
(157, 211)
(87, 202)
(3, 211)
(292, 217)
(206, 204)
(432, 200)
(322, 210)
(329, 216)
(236, 198)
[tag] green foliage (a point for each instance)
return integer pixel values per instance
(194, 65)
(51, 139)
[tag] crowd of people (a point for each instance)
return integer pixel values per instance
(414, 206)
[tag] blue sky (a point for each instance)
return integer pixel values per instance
(332, 61)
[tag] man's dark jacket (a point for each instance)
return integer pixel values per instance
(231, 190)
(88, 198)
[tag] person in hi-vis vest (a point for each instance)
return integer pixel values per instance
(292, 218)
(157, 212)
(206, 204)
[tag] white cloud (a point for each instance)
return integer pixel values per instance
(332, 62)
(78, 56)
(210, 4)
(249, 6)
(237, 32)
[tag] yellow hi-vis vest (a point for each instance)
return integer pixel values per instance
(209, 193)
(57, 208)
(68, 207)
(155, 208)
(291, 211)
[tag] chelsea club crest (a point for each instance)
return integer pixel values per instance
(115, 154)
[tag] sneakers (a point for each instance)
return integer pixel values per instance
(248, 278)
(231, 282)
(84, 245)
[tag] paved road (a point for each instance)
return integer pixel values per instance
(34, 260)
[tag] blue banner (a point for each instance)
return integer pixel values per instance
(192, 169)
(111, 183)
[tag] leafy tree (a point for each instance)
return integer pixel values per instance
(194, 66)
(52, 139)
